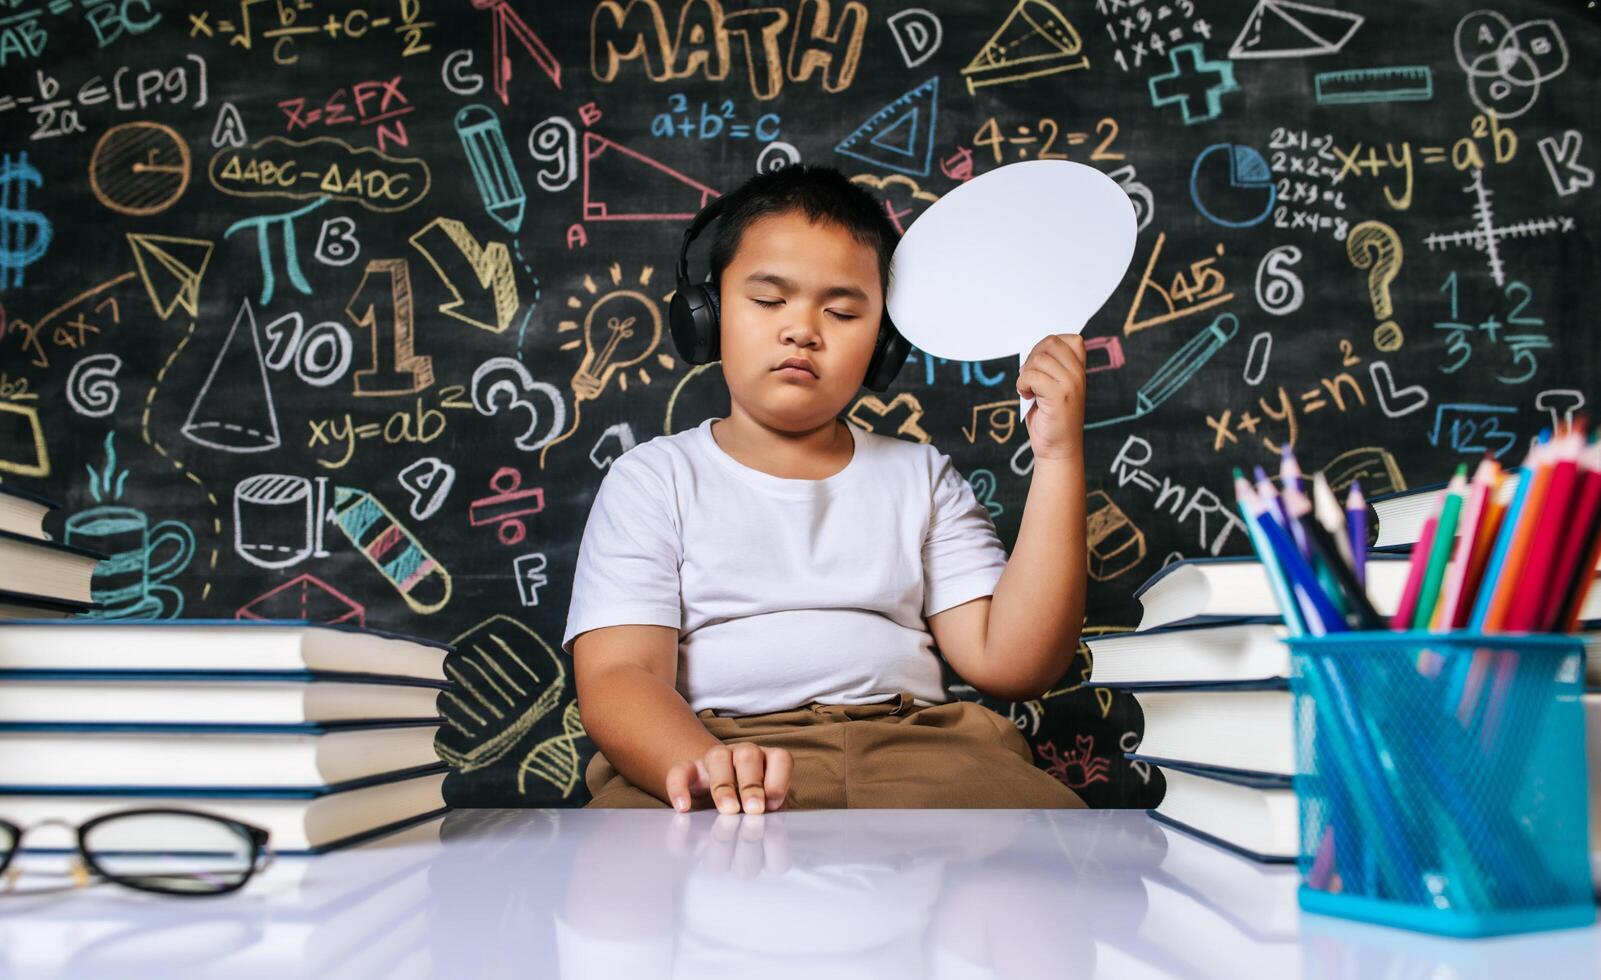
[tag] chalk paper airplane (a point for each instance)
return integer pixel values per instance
(171, 269)
(621, 184)
(899, 136)
(1283, 29)
(1034, 40)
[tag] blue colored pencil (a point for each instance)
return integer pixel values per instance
(1321, 616)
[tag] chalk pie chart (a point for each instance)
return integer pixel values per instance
(1232, 185)
(1017, 253)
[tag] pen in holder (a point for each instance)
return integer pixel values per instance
(1441, 780)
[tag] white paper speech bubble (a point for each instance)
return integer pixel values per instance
(1020, 252)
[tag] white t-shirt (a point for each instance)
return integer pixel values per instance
(786, 591)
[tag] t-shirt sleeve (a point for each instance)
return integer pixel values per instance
(628, 558)
(963, 557)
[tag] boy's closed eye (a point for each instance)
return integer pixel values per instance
(768, 303)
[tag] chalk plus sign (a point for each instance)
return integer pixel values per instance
(1189, 79)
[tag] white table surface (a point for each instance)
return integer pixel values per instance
(574, 893)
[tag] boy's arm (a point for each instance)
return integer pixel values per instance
(1015, 644)
(1038, 607)
(629, 706)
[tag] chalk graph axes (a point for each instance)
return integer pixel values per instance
(1486, 235)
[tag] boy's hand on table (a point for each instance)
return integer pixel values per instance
(743, 775)
(1053, 375)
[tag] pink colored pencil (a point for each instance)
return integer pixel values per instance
(1489, 526)
(1415, 572)
(1467, 538)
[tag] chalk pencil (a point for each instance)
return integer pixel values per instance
(1440, 550)
(1552, 516)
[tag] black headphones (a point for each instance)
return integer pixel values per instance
(694, 314)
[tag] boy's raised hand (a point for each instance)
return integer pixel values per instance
(730, 776)
(1053, 375)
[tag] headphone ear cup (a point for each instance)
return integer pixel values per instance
(692, 319)
(714, 302)
(888, 357)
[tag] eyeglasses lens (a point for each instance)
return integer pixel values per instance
(187, 854)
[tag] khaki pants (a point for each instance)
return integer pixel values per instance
(890, 754)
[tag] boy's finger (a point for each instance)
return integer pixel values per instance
(779, 766)
(720, 779)
(678, 785)
(748, 765)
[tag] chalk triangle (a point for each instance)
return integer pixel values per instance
(171, 269)
(1035, 39)
(621, 184)
(1285, 29)
(899, 136)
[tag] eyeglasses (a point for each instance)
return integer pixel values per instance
(169, 851)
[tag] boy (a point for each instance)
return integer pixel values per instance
(758, 600)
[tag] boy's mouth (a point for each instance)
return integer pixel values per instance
(795, 367)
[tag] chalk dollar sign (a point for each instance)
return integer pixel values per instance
(24, 234)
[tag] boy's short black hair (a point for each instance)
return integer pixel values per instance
(821, 193)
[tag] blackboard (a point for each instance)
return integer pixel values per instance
(314, 309)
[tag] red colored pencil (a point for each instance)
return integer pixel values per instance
(1552, 516)
(1574, 543)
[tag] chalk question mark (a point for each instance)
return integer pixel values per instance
(1374, 245)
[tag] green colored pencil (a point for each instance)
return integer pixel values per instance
(1440, 553)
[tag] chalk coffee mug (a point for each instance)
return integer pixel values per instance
(127, 584)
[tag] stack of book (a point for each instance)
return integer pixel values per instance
(1211, 677)
(322, 734)
(39, 578)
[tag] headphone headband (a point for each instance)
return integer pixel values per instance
(713, 208)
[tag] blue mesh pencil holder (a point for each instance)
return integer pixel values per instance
(1441, 780)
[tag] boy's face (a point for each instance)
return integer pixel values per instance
(795, 289)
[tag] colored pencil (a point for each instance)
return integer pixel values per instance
(1290, 478)
(1354, 597)
(1275, 575)
(1516, 559)
(1473, 512)
(1328, 513)
(1356, 525)
(1440, 550)
(1482, 602)
(1483, 545)
(1538, 578)
(1277, 509)
(1583, 575)
(1402, 618)
(1322, 616)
